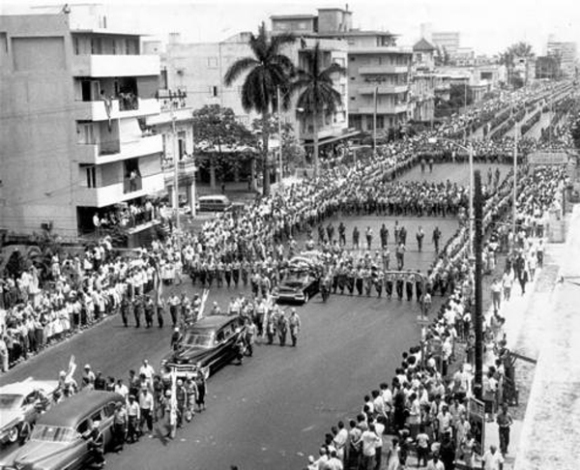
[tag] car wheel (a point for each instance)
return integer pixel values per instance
(13, 434)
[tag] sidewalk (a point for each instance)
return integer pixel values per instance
(543, 435)
(550, 437)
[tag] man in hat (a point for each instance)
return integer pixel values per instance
(120, 421)
(146, 407)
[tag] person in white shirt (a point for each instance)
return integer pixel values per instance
(147, 370)
(492, 459)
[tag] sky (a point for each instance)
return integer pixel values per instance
(488, 26)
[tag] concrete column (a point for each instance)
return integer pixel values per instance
(191, 197)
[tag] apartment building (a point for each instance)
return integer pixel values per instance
(422, 82)
(378, 70)
(567, 54)
(75, 95)
(448, 40)
(199, 70)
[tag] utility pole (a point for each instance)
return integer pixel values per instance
(478, 314)
(280, 162)
(375, 123)
(176, 99)
(515, 195)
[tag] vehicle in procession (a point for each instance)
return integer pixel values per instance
(301, 279)
(206, 346)
(21, 404)
(59, 439)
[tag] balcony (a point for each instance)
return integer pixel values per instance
(115, 65)
(124, 190)
(121, 108)
(383, 109)
(109, 152)
(383, 89)
(383, 69)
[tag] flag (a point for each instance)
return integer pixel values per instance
(72, 366)
(204, 297)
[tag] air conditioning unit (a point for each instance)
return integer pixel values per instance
(46, 226)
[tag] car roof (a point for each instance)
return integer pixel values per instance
(28, 386)
(73, 410)
(213, 321)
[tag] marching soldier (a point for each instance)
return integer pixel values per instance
(282, 328)
(236, 266)
(436, 238)
(228, 274)
(294, 322)
(173, 308)
(245, 272)
(219, 274)
(386, 257)
(379, 281)
(384, 234)
(350, 280)
(355, 238)
(399, 286)
(368, 281)
(389, 278)
(419, 236)
(359, 281)
(342, 234)
(138, 310)
(419, 286)
(409, 285)
(125, 310)
(149, 312)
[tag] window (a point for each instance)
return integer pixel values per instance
(86, 133)
(214, 91)
(76, 45)
(96, 45)
(109, 410)
(380, 122)
(212, 62)
(352, 59)
(352, 98)
(91, 177)
(163, 79)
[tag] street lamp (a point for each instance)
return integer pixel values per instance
(469, 150)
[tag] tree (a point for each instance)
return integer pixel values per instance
(519, 50)
(442, 56)
(217, 129)
(317, 96)
(266, 71)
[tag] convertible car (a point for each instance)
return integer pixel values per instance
(21, 404)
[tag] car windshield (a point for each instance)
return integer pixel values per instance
(296, 277)
(46, 433)
(9, 401)
(195, 338)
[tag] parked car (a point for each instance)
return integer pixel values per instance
(216, 203)
(206, 346)
(57, 440)
(21, 404)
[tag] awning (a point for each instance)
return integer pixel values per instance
(329, 140)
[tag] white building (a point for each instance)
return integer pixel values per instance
(74, 97)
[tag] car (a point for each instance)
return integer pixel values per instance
(298, 285)
(57, 441)
(206, 346)
(215, 203)
(21, 404)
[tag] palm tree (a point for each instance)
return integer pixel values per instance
(266, 71)
(318, 97)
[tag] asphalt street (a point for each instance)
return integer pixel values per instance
(273, 410)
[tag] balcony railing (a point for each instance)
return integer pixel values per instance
(130, 185)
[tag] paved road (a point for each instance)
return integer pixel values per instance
(276, 406)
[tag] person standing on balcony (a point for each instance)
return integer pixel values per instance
(133, 180)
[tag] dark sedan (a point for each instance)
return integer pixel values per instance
(297, 286)
(205, 347)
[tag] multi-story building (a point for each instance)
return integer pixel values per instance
(378, 70)
(422, 84)
(547, 68)
(567, 54)
(75, 95)
(446, 40)
(199, 69)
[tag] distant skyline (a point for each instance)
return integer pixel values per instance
(489, 27)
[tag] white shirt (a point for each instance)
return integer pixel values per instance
(492, 461)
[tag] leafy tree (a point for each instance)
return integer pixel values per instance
(217, 130)
(508, 58)
(265, 72)
(442, 56)
(317, 96)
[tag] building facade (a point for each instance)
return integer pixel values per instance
(74, 99)
(449, 41)
(567, 54)
(199, 70)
